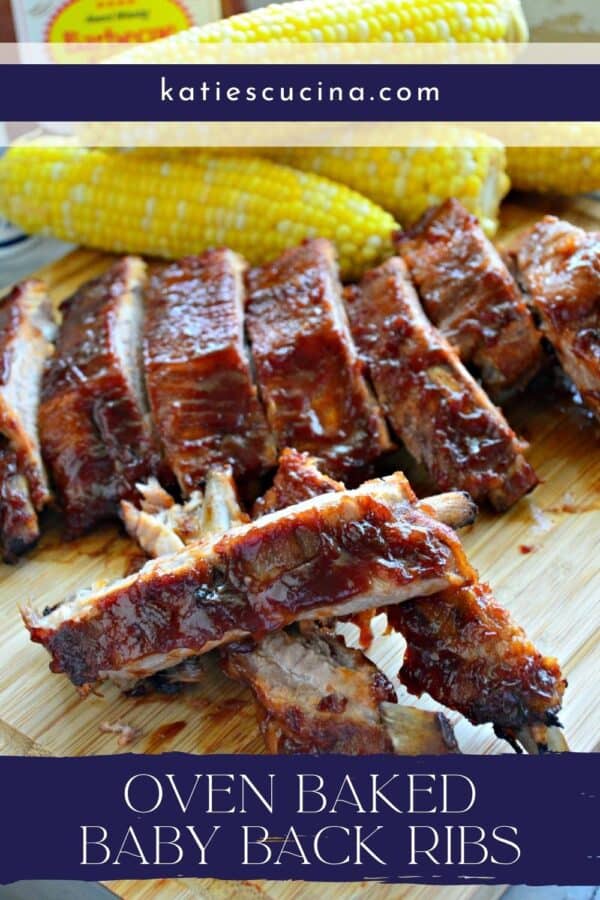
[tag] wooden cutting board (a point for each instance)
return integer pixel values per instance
(541, 558)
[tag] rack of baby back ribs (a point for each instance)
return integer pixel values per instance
(173, 392)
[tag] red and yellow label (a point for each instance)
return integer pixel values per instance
(117, 21)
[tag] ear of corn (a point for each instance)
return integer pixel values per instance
(560, 170)
(121, 203)
(352, 21)
(406, 181)
(371, 21)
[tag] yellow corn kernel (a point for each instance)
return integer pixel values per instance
(406, 181)
(169, 208)
(560, 170)
(358, 21)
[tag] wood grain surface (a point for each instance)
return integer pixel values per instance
(541, 558)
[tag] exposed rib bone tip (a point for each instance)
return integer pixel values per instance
(455, 508)
(539, 739)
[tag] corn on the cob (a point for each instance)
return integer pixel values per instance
(115, 202)
(353, 21)
(408, 180)
(560, 170)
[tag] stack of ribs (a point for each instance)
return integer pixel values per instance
(462, 649)
(169, 392)
(313, 694)
(331, 555)
(205, 364)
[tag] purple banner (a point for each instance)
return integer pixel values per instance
(429, 820)
(324, 93)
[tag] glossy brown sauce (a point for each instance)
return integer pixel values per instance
(204, 403)
(468, 292)
(559, 265)
(363, 621)
(298, 478)
(94, 435)
(310, 378)
(255, 582)
(163, 735)
(435, 406)
(463, 650)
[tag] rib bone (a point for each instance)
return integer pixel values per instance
(332, 555)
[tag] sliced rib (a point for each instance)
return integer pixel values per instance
(291, 717)
(161, 527)
(309, 374)
(314, 695)
(204, 403)
(26, 330)
(443, 416)
(468, 292)
(559, 267)
(94, 425)
(463, 648)
(330, 556)
(466, 652)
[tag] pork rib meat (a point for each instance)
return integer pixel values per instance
(94, 426)
(469, 293)
(309, 374)
(315, 695)
(559, 267)
(443, 416)
(333, 555)
(204, 403)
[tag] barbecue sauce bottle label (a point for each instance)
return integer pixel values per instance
(108, 21)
